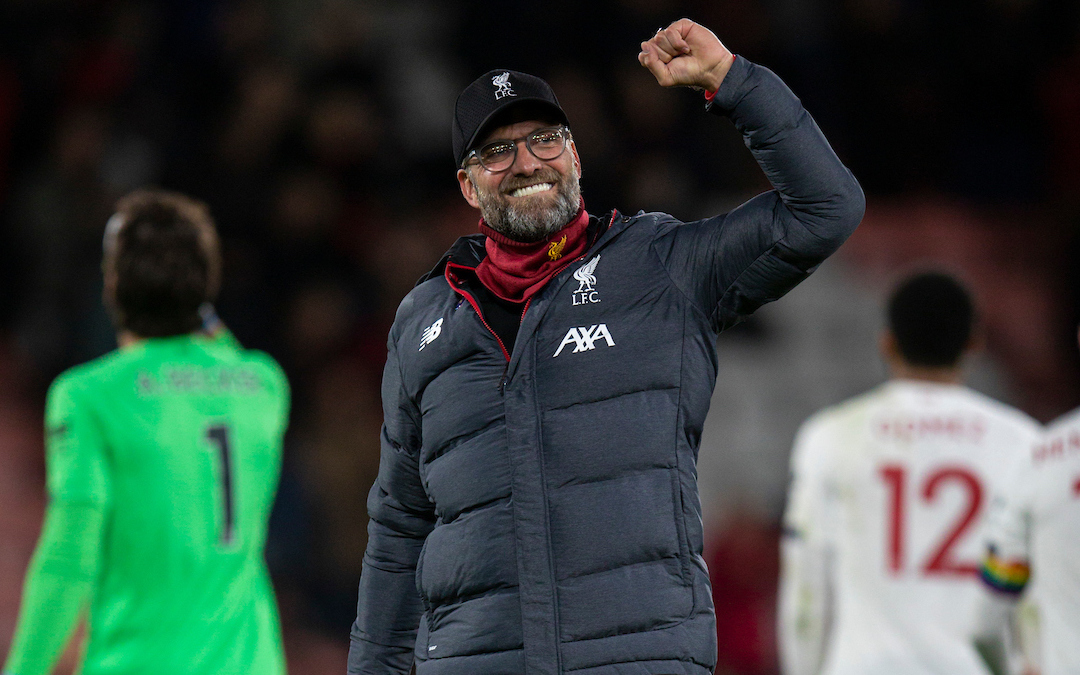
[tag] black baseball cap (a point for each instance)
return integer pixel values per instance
(494, 93)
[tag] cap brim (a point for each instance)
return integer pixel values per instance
(482, 128)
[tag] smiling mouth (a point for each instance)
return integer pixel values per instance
(531, 189)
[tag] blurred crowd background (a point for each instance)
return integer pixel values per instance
(318, 131)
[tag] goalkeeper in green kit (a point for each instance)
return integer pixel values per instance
(163, 460)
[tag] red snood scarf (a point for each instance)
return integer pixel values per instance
(516, 271)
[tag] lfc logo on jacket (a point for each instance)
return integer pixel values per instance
(585, 295)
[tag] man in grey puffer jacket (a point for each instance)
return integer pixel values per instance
(536, 510)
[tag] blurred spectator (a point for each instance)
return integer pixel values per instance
(744, 565)
(59, 210)
(337, 459)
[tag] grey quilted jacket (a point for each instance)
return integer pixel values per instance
(537, 512)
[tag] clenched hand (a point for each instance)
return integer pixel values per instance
(686, 54)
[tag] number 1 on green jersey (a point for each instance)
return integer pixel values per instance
(218, 436)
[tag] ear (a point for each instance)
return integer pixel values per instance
(108, 278)
(468, 189)
(976, 342)
(108, 292)
(577, 160)
(890, 351)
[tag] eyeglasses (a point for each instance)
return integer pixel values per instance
(545, 144)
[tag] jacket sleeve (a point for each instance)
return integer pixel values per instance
(401, 517)
(729, 265)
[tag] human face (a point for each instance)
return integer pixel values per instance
(531, 199)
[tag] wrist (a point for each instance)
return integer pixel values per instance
(715, 76)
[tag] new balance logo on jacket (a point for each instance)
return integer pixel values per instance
(430, 333)
(585, 339)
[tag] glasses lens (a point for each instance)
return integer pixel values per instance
(547, 143)
(498, 155)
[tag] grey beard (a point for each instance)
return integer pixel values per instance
(532, 224)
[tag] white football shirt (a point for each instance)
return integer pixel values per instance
(1034, 524)
(883, 530)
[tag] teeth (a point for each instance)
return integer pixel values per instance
(531, 190)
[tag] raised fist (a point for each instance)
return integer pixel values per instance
(687, 54)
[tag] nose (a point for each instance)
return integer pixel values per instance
(525, 163)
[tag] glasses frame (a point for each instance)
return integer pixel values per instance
(475, 152)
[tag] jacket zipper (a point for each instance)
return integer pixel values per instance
(472, 301)
(503, 382)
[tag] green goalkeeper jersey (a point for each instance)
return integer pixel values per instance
(178, 442)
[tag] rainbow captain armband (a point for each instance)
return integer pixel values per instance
(1004, 576)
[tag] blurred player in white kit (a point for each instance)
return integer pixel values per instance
(1033, 531)
(884, 522)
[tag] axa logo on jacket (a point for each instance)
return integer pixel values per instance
(584, 339)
